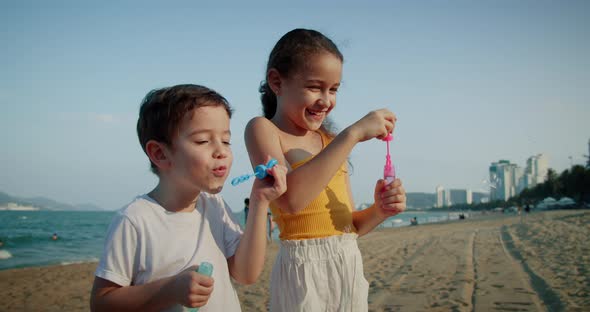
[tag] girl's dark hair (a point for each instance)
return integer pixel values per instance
(289, 55)
(162, 111)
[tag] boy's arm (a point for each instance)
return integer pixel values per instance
(108, 296)
(248, 260)
(187, 288)
(247, 263)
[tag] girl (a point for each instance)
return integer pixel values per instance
(319, 266)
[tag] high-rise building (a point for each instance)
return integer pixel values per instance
(460, 197)
(508, 180)
(447, 198)
(440, 197)
(536, 170)
(502, 184)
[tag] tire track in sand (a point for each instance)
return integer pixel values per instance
(438, 276)
(500, 282)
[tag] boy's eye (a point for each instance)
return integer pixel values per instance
(226, 143)
(201, 142)
(314, 88)
(334, 90)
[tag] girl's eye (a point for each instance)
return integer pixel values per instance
(226, 143)
(314, 88)
(334, 90)
(201, 142)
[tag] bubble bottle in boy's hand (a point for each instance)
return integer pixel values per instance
(389, 169)
(205, 268)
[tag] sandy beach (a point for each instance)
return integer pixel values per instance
(539, 262)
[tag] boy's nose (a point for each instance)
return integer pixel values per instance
(219, 153)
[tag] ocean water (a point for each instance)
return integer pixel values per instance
(27, 235)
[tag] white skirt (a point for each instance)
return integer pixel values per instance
(320, 274)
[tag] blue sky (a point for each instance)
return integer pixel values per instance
(472, 82)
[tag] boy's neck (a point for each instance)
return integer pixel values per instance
(173, 200)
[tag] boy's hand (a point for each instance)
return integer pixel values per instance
(389, 199)
(271, 187)
(376, 124)
(192, 289)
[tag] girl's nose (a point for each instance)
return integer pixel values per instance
(325, 99)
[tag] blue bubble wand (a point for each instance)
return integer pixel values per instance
(259, 172)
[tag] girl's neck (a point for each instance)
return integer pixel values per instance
(287, 126)
(173, 200)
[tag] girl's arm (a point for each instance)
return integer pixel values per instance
(187, 288)
(365, 220)
(390, 200)
(306, 182)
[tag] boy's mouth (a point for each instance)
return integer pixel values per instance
(220, 171)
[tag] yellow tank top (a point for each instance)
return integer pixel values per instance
(330, 213)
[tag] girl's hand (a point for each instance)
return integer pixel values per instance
(376, 124)
(389, 199)
(271, 187)
(192, 289)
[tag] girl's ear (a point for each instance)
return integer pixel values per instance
(158, 154)
(274, 81)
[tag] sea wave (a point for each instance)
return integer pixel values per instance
(91, 260)
(5, 254)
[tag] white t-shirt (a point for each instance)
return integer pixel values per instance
(145, 242)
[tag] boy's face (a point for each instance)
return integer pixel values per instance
(201, 156)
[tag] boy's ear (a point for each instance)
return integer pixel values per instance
(158, 154)
(274, 81)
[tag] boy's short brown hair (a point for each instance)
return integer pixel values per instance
(163, 109)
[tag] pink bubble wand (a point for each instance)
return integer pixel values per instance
(388, 169)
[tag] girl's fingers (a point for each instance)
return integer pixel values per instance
(394, 200)
(399, 207)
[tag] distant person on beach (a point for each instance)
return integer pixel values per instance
(270, 225)
(54, 236)
(246, 209)
(155, 243)
(414, 221)
(1, 243)
(315, 216)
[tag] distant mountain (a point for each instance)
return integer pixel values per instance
(414, 201)
(420, 200)
(44, 203)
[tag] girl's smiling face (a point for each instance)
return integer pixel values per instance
(306, 97)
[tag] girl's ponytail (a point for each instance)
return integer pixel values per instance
(268, 99)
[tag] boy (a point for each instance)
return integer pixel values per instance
(155, 243)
